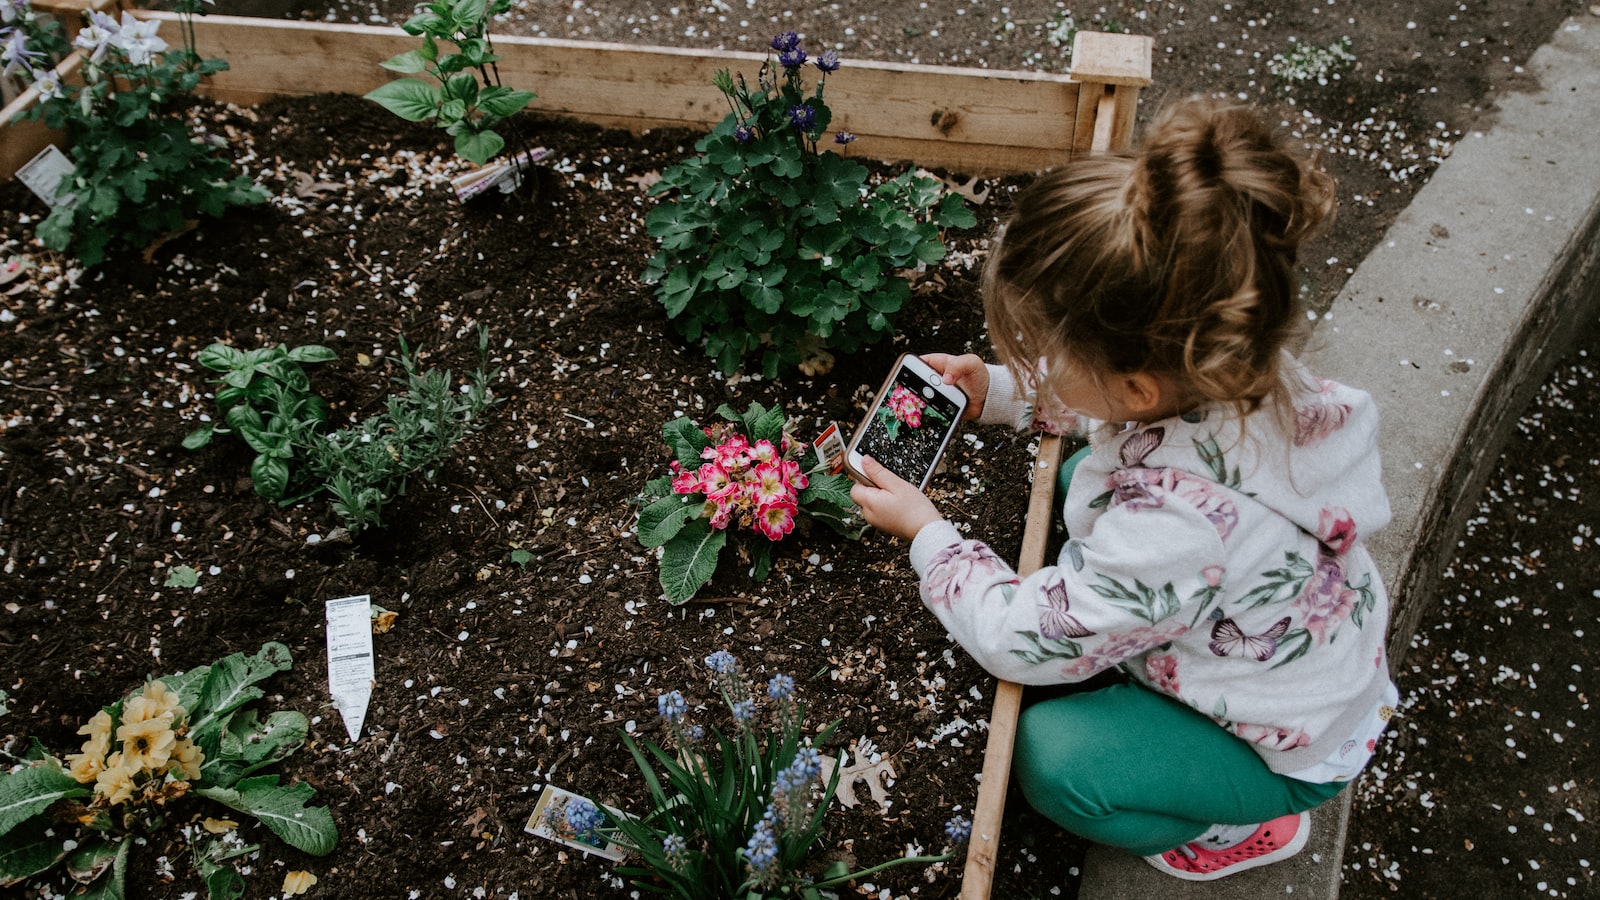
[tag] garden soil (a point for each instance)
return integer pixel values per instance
(530, 630)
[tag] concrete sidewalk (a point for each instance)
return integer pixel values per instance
(1451, 323)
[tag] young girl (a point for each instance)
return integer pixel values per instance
(1214, 522)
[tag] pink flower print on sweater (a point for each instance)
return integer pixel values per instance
(1325, 602)
(1161, 671)
(1118, 647)
(1273, 738)
(1315, 421)
(1142, 488)
(959, 567)
(1336, 529)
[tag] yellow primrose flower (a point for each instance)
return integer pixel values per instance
(85, 767)
(187, 758)
(115, 783)
(148, 744)
(298, 883)
(156, 701)
(218, 826)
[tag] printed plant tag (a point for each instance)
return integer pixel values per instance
(830, 448)
(549, 822)
(503, 175)
(44, 172)
(351, 671)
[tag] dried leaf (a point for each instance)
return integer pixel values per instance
(218, 826)
(298, 882)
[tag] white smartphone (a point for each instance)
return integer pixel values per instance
(909, 424)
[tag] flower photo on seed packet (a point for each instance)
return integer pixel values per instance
(567, 818)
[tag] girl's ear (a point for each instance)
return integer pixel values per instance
(1144, 394)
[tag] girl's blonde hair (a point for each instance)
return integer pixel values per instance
(1177, 259)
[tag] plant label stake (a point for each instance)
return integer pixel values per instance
(44, 172)
(351, 672)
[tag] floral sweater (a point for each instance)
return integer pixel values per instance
(1224, 570)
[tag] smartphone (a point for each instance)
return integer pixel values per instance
(909, 424)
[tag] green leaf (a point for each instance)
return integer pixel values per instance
(91, 859)
(219, 357)
(270, 474)
(282, 809)
(249, 745)
(478, 147)
(112, 885)
(29, 849)
(407, 98)
(662, 520)
(228, 684)
(828, 488)
(182, 577)
(690, 559)
(504, 102)
(312, 353)
(199, 437)
(686, 439)
(27, 792)
(411, 62)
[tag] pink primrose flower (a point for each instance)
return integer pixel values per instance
(906, 406)
(684, 481)
(776, 519)
(763, 452)
(768, 486)
(792, 474)
(714, 479)
(732, 454)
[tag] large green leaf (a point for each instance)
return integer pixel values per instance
(662, 520)
(229, 683)
(686, 439)
(828, 488)
(478, 147)
(27, 792)
(282, 808)
(407, 98)
(411, 62)
(689, 560)
(28, 850)
(248, 745)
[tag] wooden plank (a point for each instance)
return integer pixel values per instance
(24, 139)
(1112, 58)
(976, 121)
(984, 848)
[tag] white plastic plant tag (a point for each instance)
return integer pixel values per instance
(549, 821)
(830, 448)
(44, 172)
(351, 673)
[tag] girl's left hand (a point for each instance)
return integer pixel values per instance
(895, 505)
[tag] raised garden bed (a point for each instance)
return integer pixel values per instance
(530, 628)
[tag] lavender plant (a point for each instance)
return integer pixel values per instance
(468, 106)
(142, 167)
(771, 244)
(739, 815)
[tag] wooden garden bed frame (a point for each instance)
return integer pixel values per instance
(969, 121)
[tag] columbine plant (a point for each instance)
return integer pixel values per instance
(179, 737)
(738, 816)
(141, 169)
(266, 399)
(747, 475)
(771, 243)
(469, 106)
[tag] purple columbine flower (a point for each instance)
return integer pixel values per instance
(828, 61)
(785, 41)
(802, 116)
(743, 134)
(844, 137)
(792, 59)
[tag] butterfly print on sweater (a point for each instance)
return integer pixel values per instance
(1228, 639)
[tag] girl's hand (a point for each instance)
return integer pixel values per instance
(966, 372)
(895, 505)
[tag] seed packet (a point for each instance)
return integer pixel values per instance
(549, 821)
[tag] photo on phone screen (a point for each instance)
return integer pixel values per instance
(909, 425)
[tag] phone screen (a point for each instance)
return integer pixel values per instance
(908, 428)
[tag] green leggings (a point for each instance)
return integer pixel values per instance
(1128, 767)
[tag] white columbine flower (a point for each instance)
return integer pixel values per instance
(98, 35)
(138, 40)
(16, 55)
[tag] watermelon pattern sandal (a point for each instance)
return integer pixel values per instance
(1224, 850)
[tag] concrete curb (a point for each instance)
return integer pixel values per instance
(1452, 323)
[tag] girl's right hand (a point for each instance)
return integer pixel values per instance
(966, 372)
